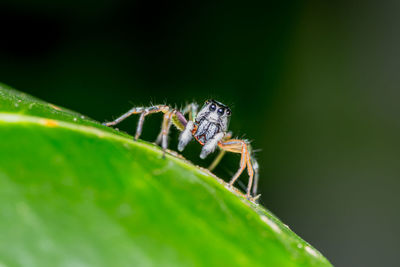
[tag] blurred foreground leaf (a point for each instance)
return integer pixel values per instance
(75, 193)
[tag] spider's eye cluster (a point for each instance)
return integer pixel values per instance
(212, 107)
(219, 107)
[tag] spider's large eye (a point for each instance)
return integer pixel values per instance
(212, 107)
(220, 111)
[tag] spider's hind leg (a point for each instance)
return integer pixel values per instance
(166, 126)
(150, 110)
(171, 116)
(191, 109)
(135, 110)
(143, 113)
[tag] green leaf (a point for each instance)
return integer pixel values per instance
(76, 193)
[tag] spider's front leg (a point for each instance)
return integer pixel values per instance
(242, 147)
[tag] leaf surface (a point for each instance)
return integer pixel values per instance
(76, 193)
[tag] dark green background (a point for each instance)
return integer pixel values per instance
(315, 85)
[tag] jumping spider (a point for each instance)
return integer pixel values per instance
(209, 127)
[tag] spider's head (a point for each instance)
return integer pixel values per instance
(215, 112)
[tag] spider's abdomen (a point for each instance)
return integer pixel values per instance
(206, 130)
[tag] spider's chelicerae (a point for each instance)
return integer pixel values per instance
(209, 127)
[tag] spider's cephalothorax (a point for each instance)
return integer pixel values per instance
(209, 127)
(212, 119)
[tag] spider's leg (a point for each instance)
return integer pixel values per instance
(147, 111)
(191, 109)
(254, 163)
(135, 110)
(143, 113)
(159, 137)
(178, 119)
(217, 160)
(236, 146)
(250, 171)
(240, 146)
(166, 125)
(221, 153)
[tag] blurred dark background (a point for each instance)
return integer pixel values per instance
(314, 84)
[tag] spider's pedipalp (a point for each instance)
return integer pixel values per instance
(186, 135)
(211, 144)
(221, 153)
